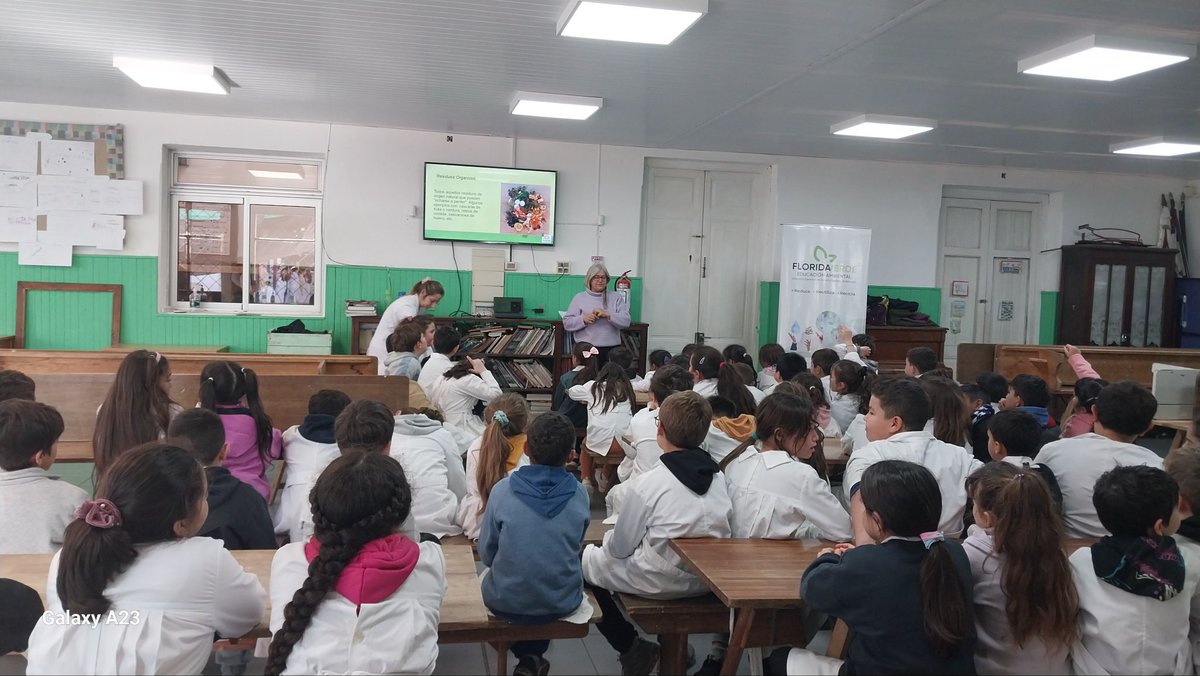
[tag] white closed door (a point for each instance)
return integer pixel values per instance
(698, 235)
(985, 271)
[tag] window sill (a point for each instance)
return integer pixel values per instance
(204, 312)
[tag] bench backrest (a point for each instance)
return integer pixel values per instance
(285, 398)
(1112, 363)
(107, 361)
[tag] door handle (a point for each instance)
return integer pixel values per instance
(699, 338)
(704, 268)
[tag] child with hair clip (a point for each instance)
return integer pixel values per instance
(768, 358)
(138, 408)
(130, 555)
(906, 598)
(307, 449)
(951, 419)
(609, 401)
(658, 359)
(714, 375)
(820, 405)
(461, 390)
(493, 456)
(358, 597)
(232, 393)
(737, 354)
(1025, 598)
(585, 360)
(775, 493)
(848, 390)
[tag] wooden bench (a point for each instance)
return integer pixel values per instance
(107, 361)
(285, 398)
(1112, 363)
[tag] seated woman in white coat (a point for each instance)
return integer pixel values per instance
(683, 497)
(609, 401)
(713, 375)
(433, 466)
(492, 457)
(775, 494)
(374, 598)
(130, 558)
(460, 389)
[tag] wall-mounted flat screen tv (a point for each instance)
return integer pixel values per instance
(489, 204)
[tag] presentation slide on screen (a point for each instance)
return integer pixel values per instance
(489, 204)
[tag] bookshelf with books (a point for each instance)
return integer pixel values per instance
(529, 355)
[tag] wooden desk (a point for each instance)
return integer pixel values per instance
(749, 575)
(190, 349)
(1182, 429)
(892, 344)
(462, 607)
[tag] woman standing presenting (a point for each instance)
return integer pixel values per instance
(595, 315)
(424, 294)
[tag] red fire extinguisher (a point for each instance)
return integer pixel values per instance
(623, 286)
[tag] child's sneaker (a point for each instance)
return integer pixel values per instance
(532, 665)
(640, 659)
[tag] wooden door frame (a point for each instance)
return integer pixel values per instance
(23, 288)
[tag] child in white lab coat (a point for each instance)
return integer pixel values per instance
(307, 449)
(130, 556)
(1135, 585)
(460, 389)
(895, 422)
(433, 466)
(775, 494)
(493, 456)
(684, 496)
(372, 601)
(609, 401)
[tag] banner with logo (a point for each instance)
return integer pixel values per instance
(822, 285)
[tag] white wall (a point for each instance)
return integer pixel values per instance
(374, 178)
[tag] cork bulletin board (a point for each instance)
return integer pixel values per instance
(109, 140)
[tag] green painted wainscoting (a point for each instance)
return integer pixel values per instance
(929, 298)
(1048, 319)
(80, 321)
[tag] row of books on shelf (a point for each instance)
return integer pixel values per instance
(493, 340)
(628, 339)
(522, 374)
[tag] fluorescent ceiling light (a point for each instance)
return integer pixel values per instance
(555, 105)
(883, 126)
(1157, 146)
(187, 77)
(1105, 58)
(655, 22)
(262, 173)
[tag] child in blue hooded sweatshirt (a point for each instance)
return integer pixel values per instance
(538, 508)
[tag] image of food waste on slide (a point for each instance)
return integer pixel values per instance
(524, 208)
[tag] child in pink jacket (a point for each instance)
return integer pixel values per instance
(1088, 384)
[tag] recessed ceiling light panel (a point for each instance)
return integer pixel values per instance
(655, 22)
(1105, 58)
(1157, 146)
(883, 126)
(555, 105)
(177, 75)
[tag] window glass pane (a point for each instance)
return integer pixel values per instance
(1099, 305)
(283, 254)
(1137, 321)
(1116, 306)
(1158, 288)
(210, 252)
(246, 173)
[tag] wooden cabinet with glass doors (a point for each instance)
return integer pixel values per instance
(1117, 295)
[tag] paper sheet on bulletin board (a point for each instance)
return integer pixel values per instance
(108, 138)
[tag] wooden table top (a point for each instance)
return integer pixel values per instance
(753, 573)
(167, 349)
(462, 607)
(1178, 425)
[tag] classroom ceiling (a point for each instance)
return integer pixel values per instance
(759, 76)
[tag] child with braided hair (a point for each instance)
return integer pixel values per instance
(358, 597)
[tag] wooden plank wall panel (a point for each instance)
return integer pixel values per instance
(1048, 325)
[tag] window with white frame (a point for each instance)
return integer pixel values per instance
(247, 233)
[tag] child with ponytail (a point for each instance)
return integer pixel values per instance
(816, 394)
(585, 358)
(658, 359)
(493, 456)
(1025, 598)
(130, 557)
(232, 393)
(907, 597)
(849, 391)
(775, 493)
(138, 408)
(358, 597)
(714, 375)
(609, 401)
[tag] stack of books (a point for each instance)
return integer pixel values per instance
(361, 308)
(539, 404)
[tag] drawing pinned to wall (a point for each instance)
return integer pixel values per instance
(958, 308)
(960, 288)
(1006, 311)
(17, 189)
(68, 158)
(18, 153)
(112, 136)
